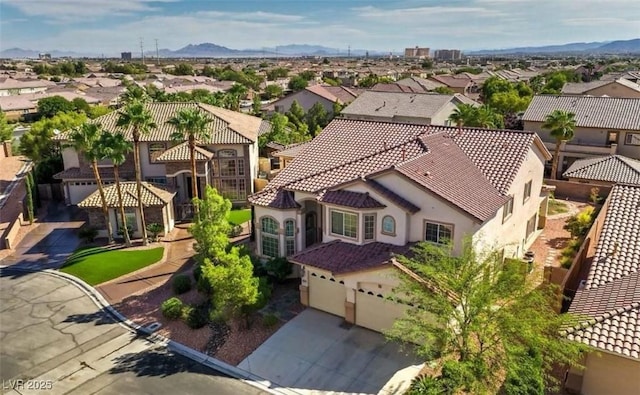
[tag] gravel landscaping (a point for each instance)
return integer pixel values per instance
(231, 342)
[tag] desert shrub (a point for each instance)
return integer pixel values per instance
(154, 231)
(203, 285)
(172, 308)
(425, 385)
(235, 231)
(270, 320)
(181, 284)
(278, 268)
(578, 225)
(195, 316)
(525, 376)
(129, 231)
(88, 234)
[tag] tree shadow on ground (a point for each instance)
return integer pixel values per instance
(100, 317)
(558, 242)
(157, 362)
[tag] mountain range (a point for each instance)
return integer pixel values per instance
(210, 50)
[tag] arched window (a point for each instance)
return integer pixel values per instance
(388, 225)
(290, 236)
(269, 237)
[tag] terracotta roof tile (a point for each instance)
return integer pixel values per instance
(353, 257)
(151, 196)
(351, 199)
(614, 168)
(180, 153)
(394, 197)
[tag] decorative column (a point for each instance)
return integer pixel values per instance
(304, 286)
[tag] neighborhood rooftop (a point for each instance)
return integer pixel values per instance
(613, 168)
(151, 196)
(591, 112)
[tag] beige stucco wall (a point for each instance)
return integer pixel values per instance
(70, 158)
(608, 374)
(151, 169)
(614, 89)
(306, 99)
(511, 235)
(442, 116)
(280, 216)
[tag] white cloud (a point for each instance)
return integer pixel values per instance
(600, 21)
(402, 15)
(73, 10)
(253, 16)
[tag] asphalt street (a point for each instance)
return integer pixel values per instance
(55, 340)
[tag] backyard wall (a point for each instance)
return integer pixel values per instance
(576, 190)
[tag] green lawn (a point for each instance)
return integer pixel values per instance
(237, 217)
(96, 265)
(557, 207)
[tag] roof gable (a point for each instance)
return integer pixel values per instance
(614, 168)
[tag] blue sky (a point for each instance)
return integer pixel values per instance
(112, 26)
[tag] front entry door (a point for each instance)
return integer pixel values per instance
(311, 228)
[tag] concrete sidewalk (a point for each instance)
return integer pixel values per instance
(178, 250)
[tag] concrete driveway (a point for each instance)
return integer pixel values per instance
(53, 337)
(312, 353)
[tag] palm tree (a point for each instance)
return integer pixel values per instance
(486, 117)
(116, 147)
(86, 140)
(463, 115)
(134, 93)
(234, 95)
(136, 116)
(191, 125)
(561, 124)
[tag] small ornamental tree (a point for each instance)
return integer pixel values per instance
(471, 314)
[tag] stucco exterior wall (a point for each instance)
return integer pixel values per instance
(151, 169)
(442, 116)
(614, 90)
(306, 99)
(70, 158)
(280, 216)
(609, 374)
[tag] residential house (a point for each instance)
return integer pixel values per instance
(362, 190)
(227, 161)
(26, 105)
(415, 108)
(605, 171)
(13, 171)
(323, 94)
(422, 84)
(11, 86)
(458, 83)
(604, 126)
(616, 88)
(608, 303)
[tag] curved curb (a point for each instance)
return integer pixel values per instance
(204, 359)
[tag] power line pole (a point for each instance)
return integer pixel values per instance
(349, 51)
(142, 49)
(157, 53)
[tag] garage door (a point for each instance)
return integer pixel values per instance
(326, 294)
(375, 312)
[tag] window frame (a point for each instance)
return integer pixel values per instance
(272, 234)
(507, 214)
(344, 214)
(629, 136)
(527, 191)
(373, 218)
(612, 133)
(450, 226)
(393, 221)
(149, 151)
(290, 237)
(127, 214)
(532, 225)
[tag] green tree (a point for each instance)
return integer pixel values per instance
(317, 118)
(115, 147)
(85, 139)
(493, 85)
(181, 69)
(444, 90)
(477, 315)
(6, 130)
(279, 125)
(296, 114)
(136, 118)
(210, 227)
(273, 91)
(308, 75)
(427, 64)
(561, 125)
(49, 107)
(463, 115)
(256, 106)
(191, 126)
(98, 111)
(336, 109)
(38, 144)
(487, 117)
(297, 83)
(331, 81)
(81, 105)
(235, 94)
(278, 72)
(134, 93)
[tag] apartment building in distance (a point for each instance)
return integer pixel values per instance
(447, 54)
(416, 52)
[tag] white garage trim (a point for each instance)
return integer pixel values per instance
(375, 312)
(327, 294)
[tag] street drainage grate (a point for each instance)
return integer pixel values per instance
(153, 327)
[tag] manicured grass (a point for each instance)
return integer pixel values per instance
(557, 207)
(237, 217)
(96, 265)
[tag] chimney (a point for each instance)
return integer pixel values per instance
(6, 148)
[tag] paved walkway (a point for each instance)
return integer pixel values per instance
(178, 252)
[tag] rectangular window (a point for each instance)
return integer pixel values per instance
(531, 226)
(438, 233)
(242, 189)
(527, 191)
(270, 246)
(369, 227)
(507, 210)
(344, 224)
(632, 139)
(229, 189)
(227, 167)
(612, 137)
(155, 150)
(240, 167)
(131, 219)
(157, 180)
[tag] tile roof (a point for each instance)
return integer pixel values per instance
(292, 150)
(579, 88)
(453, 81)
(396, 87)
(345, 95)
(180, 153)
(280, 199)
(421, 84)
(227, 127)
(613, 168)
(351, 199)
(106, 173)
(389, 105)
(464, 184)
(151, 196)
(591, 112)
(348, 150)
(353, 257)
(608, 307)
(394, 197)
